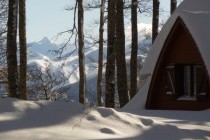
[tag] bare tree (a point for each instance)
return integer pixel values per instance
(23, 50)
(3, 79)
(100, 55)
(82, 82)
(120, 55)
(73, 34)
(110, 66)
(44, 81)
(3, 31)
(12, 48)
(134, 51)
(155, 19)
(173, 5)
(91, 4)
(3, 18)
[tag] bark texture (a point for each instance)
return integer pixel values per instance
(23, 49)
(120, 55)
(82, 83)
(100, 55)
(134, 50)
(155, 19)
(110, 66)
(12, 48)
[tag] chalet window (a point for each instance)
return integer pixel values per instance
(170, 81)
(186, 82)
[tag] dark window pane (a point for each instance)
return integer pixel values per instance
(201, 80)
(170, 80)
(187, 80)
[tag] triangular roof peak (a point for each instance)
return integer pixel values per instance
(195, 14)
(197, 21)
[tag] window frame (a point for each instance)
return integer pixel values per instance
(175, 86)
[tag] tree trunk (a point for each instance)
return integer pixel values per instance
(173, 6)
(134, 51)
(120, 55)
(23, 52)
(100, 55)
(82, 82)
(12, 48)
(110, 66)
(155, 19)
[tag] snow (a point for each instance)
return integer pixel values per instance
(200, 31)
(142, 30)
(62, 120)
(195, 5)
(44, 47)
(196, 16)
(49, 120)
(40, 54)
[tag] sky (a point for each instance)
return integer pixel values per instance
(46, 18)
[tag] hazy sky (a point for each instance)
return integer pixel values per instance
(48, 17)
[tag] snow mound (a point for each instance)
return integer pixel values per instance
(49, 120)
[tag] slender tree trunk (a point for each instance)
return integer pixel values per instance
(12, 48)
(155, 19)
(120, 55)
(100, 55)
(110, 66)
(173, 6)
(82, 83)
(134, 50)
(23, 52)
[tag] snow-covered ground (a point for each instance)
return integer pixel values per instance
(49, 120)
(60, 120)
(64, 120)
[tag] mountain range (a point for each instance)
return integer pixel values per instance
(41, 54)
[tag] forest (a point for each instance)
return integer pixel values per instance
(120, 80)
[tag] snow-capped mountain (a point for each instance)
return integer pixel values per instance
(40, 55)
(44, 47)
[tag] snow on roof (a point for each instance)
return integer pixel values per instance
(194, 5)
(196, 16)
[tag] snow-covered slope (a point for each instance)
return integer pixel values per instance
(48, 120)
(40, 54)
